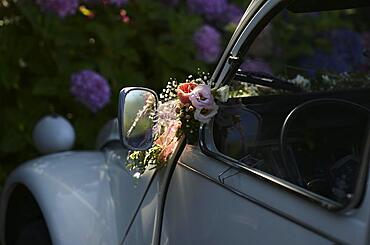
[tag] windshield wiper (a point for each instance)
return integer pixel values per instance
(267, 80)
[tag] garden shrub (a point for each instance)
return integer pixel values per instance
(71, 57)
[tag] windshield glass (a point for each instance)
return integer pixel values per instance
(317, 51)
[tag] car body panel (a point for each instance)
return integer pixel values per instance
(200, 211)
(85, 197)
(143, 230)
(147, 223)
(347, 228)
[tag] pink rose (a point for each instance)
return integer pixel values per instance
(168, 150)
(184, 90)
(201, 97)
(169, 134)
(168, 141)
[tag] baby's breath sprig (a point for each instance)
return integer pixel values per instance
(169, 92)
(205, 77)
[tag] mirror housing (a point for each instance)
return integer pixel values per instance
(136, 117)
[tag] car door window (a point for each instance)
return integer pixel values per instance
(315, 139)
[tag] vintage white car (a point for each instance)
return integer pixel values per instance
(287, 166)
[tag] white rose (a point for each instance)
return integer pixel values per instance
(223, 93)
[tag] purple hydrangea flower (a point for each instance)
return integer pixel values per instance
(347, 45)
(118, 3)
(256, 66)
(211, 9)
(366, 39)
(345, 54)
(208, 43)
(92, 2)
(91, 89)
(325, 62)
(60, 7)
(233, 14)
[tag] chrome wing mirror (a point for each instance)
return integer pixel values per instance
(136, 117)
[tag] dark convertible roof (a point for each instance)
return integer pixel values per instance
(301, 6)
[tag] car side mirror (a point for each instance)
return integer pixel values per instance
(136, 117)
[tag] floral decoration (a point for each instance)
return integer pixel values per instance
(181, 111)
(185, 106)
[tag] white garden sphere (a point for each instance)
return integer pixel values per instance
(53, 133)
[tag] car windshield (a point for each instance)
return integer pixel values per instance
(317, 51)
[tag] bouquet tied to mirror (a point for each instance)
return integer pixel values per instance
(182, 108)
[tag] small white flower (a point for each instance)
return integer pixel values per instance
(223, 93)
(137, 175)
(199, 80)
(301, 81)
(325, 78)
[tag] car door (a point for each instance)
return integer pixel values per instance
(217, 197)
(210, 202)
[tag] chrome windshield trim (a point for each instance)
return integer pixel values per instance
(253, 18)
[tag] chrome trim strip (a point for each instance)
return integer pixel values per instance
(257, 14)
(252, 8)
